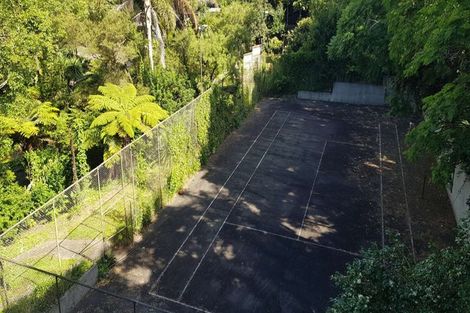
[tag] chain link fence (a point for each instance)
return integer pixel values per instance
(64, 293)
(103, 210)
(70, 233)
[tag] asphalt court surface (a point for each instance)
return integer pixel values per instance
(300, 202)
(287, 200)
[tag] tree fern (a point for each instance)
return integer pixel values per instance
(44, 114)
(122, 113)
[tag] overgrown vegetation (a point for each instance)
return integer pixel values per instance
(388, 280)
(78, 80)
(105, 264)
(103, 93)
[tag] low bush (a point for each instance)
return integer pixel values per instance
(388, 280)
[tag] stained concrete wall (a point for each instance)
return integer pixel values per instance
(349, 93)
(459, 194)
(358, 93)
(76, 293)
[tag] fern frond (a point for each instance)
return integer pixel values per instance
(113, 147)
(126, 125)
(104, 119)
(45, 114)
(110, 130)
(28, 129)
(100, 103)
(111, 91)
(129, 91)
(124, 111)
(144, 99)
(8, 125)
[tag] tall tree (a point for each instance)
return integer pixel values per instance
(429, 44)
(361, 40)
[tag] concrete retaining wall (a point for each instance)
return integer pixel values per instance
(459, 194)
(349, 93)
(74, 295)
(358, 93)
(311, 95)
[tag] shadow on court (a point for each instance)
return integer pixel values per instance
(287, 201)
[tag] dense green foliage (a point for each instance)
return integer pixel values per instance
(361, 39)
(305, 63)
(76, 81)
(80, 79)
(435, 63)
(419, 49)
(388, 280)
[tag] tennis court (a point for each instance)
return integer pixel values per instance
(288, 200)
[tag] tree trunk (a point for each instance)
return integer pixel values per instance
(74, 159)
(158, 36)
(148, 23)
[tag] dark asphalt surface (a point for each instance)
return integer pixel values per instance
(303, 199)
(288, 200)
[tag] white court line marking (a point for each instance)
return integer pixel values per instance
(408, 216)
(293, 238)
(210, 204)
(381, 187)
(182, 303)
(231, 209)
(311, 190)
(318, 138)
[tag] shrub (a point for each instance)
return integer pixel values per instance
(171, 90)
(388, 280)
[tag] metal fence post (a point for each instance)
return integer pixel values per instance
(5, 301)
(103, 230)
(54, 212)
(160, 165)
(192, 134)
(134, 198)
(57, 293)
(130, 235)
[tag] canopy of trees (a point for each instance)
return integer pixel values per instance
(79, 79)
(418, 48)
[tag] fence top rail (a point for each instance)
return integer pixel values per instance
(133, 142)
(109, 293)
